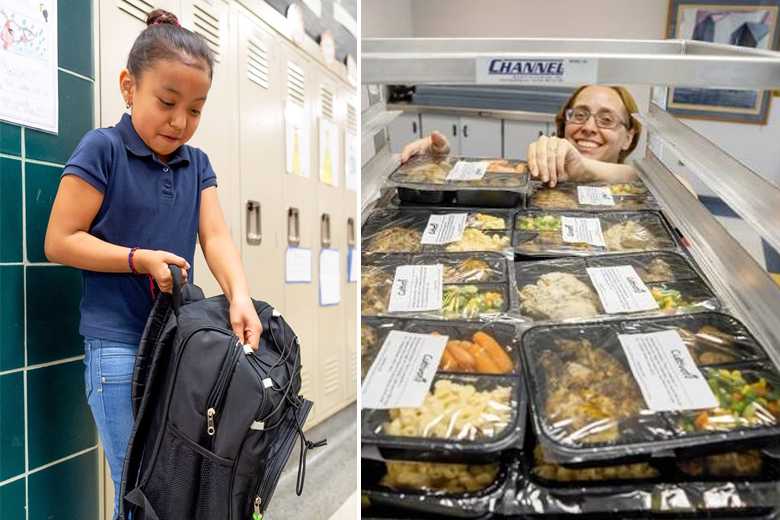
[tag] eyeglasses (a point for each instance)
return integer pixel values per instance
(604, 119)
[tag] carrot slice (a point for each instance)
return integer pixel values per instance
(464, 360)
(485, 364)
(497, 354)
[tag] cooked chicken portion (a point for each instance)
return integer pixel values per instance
(629, 235)
(558, 296)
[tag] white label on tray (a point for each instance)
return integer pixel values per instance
(443, 229)
(416, 288)
(666, 373)
(403, 371)
(579, 230)
(621, 289)
(468, 171)
(529, 70)
(595, 196)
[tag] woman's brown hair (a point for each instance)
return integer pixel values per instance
(628, 102)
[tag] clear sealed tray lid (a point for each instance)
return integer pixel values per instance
(555, 233)
(591, 196)
(623, 390)
(436, 172)
(483, 348)
(431, 230)
(462, 416)
(565, 288)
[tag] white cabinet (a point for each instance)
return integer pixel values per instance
(449, 126)
(519, 134)
(404, 129)
(480, 137)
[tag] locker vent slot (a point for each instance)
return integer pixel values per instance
(138, 9)
(352, 119)
(207, 25)
(326, 102)
(331, 376)
(295, 83)
(257, 63)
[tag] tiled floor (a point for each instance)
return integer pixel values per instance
(348, 510)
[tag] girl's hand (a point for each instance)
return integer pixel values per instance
(156, 264)
(434, 144)
(245, 321)
(554, 160)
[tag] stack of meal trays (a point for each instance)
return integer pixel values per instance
(601, 443)
(607, 440)
(446, 454)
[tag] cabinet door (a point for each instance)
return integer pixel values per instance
(480, 137)
(518, 135)
(449, 126)
(404, 129)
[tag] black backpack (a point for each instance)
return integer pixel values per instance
(215, 422)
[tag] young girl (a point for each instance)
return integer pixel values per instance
(130, 202)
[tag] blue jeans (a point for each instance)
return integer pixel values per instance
(107, 377)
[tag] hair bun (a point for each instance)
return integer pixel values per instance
(161, 16)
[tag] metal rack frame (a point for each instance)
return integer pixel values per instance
(747, 289)
(637, 62)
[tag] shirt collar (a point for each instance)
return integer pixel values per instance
(136, 145)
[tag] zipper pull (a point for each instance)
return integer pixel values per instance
(257, 515)
(210, 412)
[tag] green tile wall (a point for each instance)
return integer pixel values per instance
(49, 467)
(10, 210)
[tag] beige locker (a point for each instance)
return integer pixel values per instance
(218, 130)
(351, 224)
(301, 229)
(332, 348)
(261, 159)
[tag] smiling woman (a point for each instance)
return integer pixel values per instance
(594, 134)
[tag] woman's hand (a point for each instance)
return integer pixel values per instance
(156, 264)
(553, 160)
(245, 321)
(434, 144)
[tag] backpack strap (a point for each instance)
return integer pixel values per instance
(138, 499)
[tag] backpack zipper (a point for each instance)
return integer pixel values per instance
(270, 478)
(218, 392)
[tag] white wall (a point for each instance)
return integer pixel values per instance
(753, 145)
(533, 18)
(386, 18)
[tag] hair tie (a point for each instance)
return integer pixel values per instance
(160, 21)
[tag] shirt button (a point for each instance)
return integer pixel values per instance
(165, 170)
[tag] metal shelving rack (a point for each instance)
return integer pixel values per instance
(747, 289)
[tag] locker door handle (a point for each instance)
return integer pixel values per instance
(465, 131)
(414, 127)
(454, 130)
(325, 230)
(293, 227)
(350, 232)
(255, 237)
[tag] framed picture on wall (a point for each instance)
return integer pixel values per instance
(748, 23)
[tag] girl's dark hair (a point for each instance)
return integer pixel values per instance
(165, 39)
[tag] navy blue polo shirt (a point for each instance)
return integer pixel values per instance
(146, 203)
